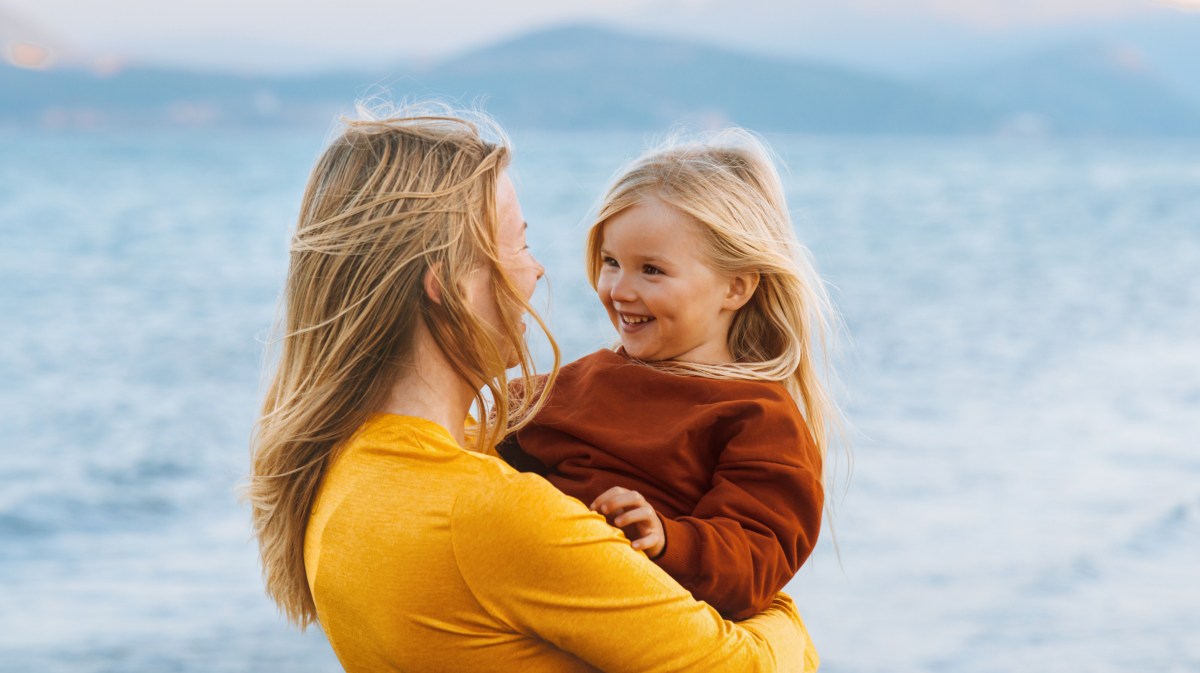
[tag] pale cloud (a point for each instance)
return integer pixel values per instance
(979, 13)
(1014, 13)
(285, 35)
(219, 31)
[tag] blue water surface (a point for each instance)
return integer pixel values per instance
(1022, 375)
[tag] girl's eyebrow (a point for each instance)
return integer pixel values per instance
(642, 259)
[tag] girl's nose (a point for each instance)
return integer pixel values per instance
(621, 289)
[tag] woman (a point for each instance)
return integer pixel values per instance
(408, 281)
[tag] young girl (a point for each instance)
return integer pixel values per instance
(703, 434)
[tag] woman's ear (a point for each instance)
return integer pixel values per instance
(741, 289)
(433, 284)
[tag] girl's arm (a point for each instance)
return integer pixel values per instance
(546, 566)
(748, 535)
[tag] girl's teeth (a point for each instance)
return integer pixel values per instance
(634, 320)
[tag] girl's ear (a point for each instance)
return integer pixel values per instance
(433, 285)
(741, 289)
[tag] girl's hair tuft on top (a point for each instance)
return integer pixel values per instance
(727, 183)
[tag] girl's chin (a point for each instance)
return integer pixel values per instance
(636, 353)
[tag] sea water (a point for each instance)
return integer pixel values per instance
(1021, 374)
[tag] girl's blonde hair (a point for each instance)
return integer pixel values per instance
(393, 197)
(727, 184)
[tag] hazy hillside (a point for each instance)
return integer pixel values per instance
(582, 77)
(141, 96)
(1089, 88)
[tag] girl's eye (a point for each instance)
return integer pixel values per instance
(652, 270)
(608, 261)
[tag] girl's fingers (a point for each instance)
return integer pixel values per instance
(628, 509)
(634, 516)
(616, 499)
(647, 542)
(603, 502)
(625, 500)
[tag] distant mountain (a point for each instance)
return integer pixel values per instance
(1088, 88)
(160, 97)
(584, 77)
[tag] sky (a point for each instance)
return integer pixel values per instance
(285, 36)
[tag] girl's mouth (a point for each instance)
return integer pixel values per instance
(630, 322)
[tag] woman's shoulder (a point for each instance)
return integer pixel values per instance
(385, 431)
(502, 490)
(391, 459)
(513, 515)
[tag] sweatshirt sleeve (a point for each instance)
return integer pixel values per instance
(749, 534)
(550, 569)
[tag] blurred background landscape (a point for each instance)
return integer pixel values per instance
(1061, 68)
(1003, 196)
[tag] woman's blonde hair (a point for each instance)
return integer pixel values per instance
(393, 197)
(728, 185)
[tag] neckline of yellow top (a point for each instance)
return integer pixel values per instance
(383, 422)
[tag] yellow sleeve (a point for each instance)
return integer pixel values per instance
(542, 563)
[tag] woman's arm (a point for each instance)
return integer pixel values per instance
(749, 534)
(543, 564)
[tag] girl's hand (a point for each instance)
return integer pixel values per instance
(630, 512)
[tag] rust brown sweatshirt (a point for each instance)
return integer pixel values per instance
(728, 465)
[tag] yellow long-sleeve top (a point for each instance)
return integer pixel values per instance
(423, 556)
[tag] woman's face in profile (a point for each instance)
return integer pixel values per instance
(516, 259)
(515, 256)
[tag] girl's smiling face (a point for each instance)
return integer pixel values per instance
(666, 302)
